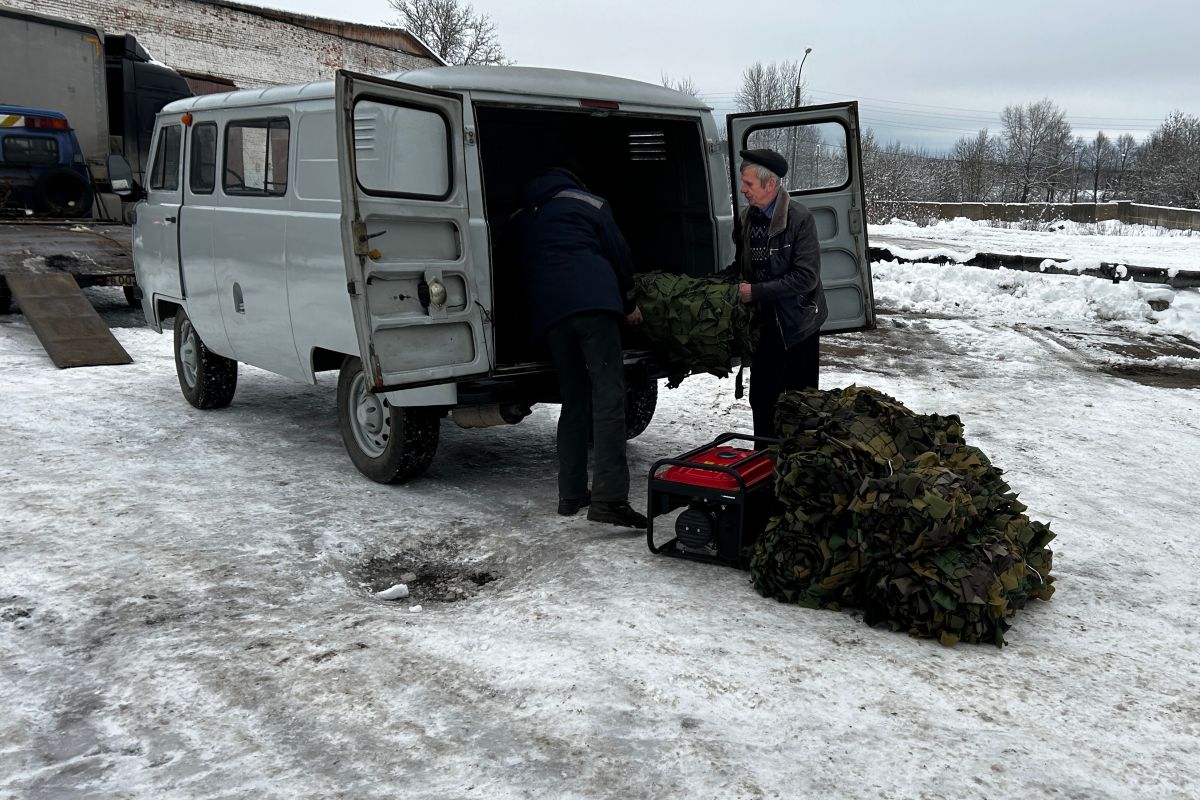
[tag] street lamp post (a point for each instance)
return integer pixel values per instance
(796, 101)
(799, 72)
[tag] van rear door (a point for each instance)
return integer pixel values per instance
(821, 145)
(410, 270)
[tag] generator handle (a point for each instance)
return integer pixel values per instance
(729, 437)
(678, 462)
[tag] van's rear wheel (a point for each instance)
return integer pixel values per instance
(387, 443)
(206, 379)
(640, 402)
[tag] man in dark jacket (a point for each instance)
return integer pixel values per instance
(580, 278)
(779, 261)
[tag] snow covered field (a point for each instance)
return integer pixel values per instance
(186, 602)
(1111, 241)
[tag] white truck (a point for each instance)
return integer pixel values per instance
(358, 224)
(107, 86)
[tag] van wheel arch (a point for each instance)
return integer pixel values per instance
(165, 310)
(323, 360)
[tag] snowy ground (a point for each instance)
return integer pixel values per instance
(186, 607)
(1084, 244)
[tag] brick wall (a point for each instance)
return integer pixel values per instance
(235, 43)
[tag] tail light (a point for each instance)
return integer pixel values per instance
(47, 123)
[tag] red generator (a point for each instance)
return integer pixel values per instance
(728, 495)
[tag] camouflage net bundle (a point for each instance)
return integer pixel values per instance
(892, 512)
(693, 324)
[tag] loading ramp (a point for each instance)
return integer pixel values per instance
(45, 265)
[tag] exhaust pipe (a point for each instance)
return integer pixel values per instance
(489, 415)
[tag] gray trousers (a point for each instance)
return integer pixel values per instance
(586, 349)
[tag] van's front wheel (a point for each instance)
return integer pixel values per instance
(206, 379)
(387, 443)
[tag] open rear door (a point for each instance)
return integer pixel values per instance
(821, 145)
(411, 274)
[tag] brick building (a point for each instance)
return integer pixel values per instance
(219, 45)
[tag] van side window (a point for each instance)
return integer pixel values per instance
(202, 171)
(256, 157)
(401, 151)
(164, 175)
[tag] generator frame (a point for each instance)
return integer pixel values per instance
(664, 496)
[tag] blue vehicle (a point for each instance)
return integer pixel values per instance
(42, 168)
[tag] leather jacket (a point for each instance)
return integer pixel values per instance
(792, 289)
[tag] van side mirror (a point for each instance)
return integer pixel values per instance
(120, 177)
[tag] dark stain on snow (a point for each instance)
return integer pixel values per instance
(14, 614)
(1135, 355)
(430, 579)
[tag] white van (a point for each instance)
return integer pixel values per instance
(358, 224)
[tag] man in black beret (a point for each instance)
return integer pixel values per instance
(779, 263)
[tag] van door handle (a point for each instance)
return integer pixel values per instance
(169, 219)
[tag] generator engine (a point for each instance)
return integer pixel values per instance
(703, 526)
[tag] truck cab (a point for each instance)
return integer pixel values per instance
(42, 168)
(360, 225)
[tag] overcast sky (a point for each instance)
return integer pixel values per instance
(924, 71)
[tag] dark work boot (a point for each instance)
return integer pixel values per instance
(569, 506)
(617, 512)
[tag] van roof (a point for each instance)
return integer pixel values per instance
(526, 81)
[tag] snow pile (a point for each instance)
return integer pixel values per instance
(1110, 242)
(1008, 294)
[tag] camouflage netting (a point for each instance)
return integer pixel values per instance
(693, 324)
(892, 512)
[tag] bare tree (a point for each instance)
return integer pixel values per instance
(976, 162)
(1126, 157)
(1078, 149)
(1099, 161)
(1037, 139)
(1169, 163)
(766, 87)
(685, 85)
(452, 30)
(895, 175)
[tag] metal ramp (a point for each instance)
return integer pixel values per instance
(68, 327)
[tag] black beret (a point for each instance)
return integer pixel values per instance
(767, 158)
